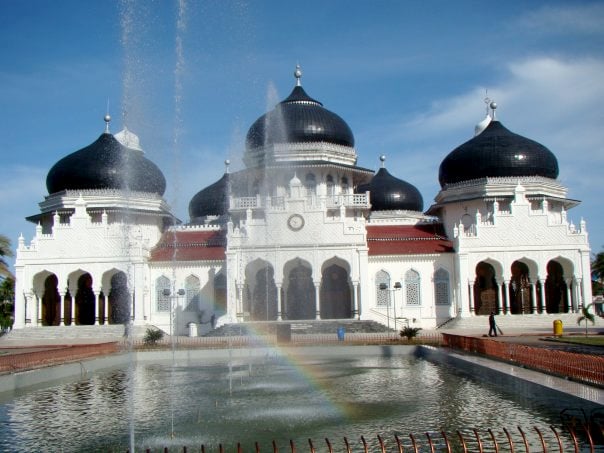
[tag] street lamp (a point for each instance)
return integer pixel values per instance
(166, 292)
(397, 286)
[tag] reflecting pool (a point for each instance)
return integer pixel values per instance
(261, 398)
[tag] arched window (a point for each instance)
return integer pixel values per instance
(162, 293)
(382, 296)
(412, 288)
(331, 191)
(193, 293)
(310, 183)
(441, 287)
(344, 184)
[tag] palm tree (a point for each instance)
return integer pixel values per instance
(597, 272)
(5, 250)
(586, 316)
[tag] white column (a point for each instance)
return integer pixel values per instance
(504, 296)
(471, 296)
(38, 310)
(569, 298)
(533, 297)
(73, 317)
(97, 293)
(356, 308)
(317, 294)
(279, 302)
(62, 307)
(542, 295)
(106, 311)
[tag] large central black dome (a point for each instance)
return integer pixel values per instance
(106, 164)
(497, 152)
(299, 119)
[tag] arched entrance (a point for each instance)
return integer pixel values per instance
(336, 301)
(521, 299)
(486, 294)
(84, 301)
(119, 299)
(264, 295)
(300, 301)
(556, 299)
(51, 302)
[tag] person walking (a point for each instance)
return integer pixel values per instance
(492, 325)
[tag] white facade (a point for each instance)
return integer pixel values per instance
(300, 244)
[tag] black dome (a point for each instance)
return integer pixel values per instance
(106, 164)
(497, 152)
(211, 201)
(390, 194)
(299, 119)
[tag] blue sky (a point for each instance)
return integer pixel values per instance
(190, 77)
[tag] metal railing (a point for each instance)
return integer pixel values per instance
(306, 339)
(532, 439)
(580, 367)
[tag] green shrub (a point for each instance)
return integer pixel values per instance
(410, 332)
(152, 336)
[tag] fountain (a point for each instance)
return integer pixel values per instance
(266, 394)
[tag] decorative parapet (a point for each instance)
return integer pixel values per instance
(353, 201)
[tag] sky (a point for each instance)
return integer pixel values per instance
(190, 77)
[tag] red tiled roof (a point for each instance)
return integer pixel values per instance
(190, 246)
(407, 240)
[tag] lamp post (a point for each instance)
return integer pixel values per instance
(397, 286)
(166, 292)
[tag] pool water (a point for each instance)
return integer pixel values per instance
(260, 400)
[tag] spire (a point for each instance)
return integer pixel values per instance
(107, 120)
(298, 75)
(227, 163)
(383, 160)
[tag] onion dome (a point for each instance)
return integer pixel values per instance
(388, 193)
(106, 164)
(497, 152)
(299, 119)
(211, 201)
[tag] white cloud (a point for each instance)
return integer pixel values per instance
(584, 19)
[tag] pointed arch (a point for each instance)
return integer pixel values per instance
(442, 285)
(51, 301)
(382, 298)
(412, 287)
(486, 294)
(336, 290)
(192, 293)
(299, 290)
(162, 294)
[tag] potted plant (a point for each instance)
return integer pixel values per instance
(410, 332)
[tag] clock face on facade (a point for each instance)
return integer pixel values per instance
(295, 222)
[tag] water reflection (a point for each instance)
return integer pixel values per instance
(269, 399)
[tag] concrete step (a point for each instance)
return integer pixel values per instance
(526, 322)
(299, 327)
(105, 332)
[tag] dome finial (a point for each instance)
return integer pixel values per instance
(493, 106)
(107, 120)
(383, 160)
(298, 75)
(227, 162)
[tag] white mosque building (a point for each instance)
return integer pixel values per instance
(303, 234)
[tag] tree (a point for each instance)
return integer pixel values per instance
(586, 316)
(5, 251)
(7, 303)
(597, 273)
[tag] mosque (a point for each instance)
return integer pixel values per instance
(303, 233)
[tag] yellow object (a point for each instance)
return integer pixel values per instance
(558, 327)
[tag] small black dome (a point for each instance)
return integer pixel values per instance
(391, 194)
(211, 201)
(299, 119)
(106, 164)
(497, 152)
